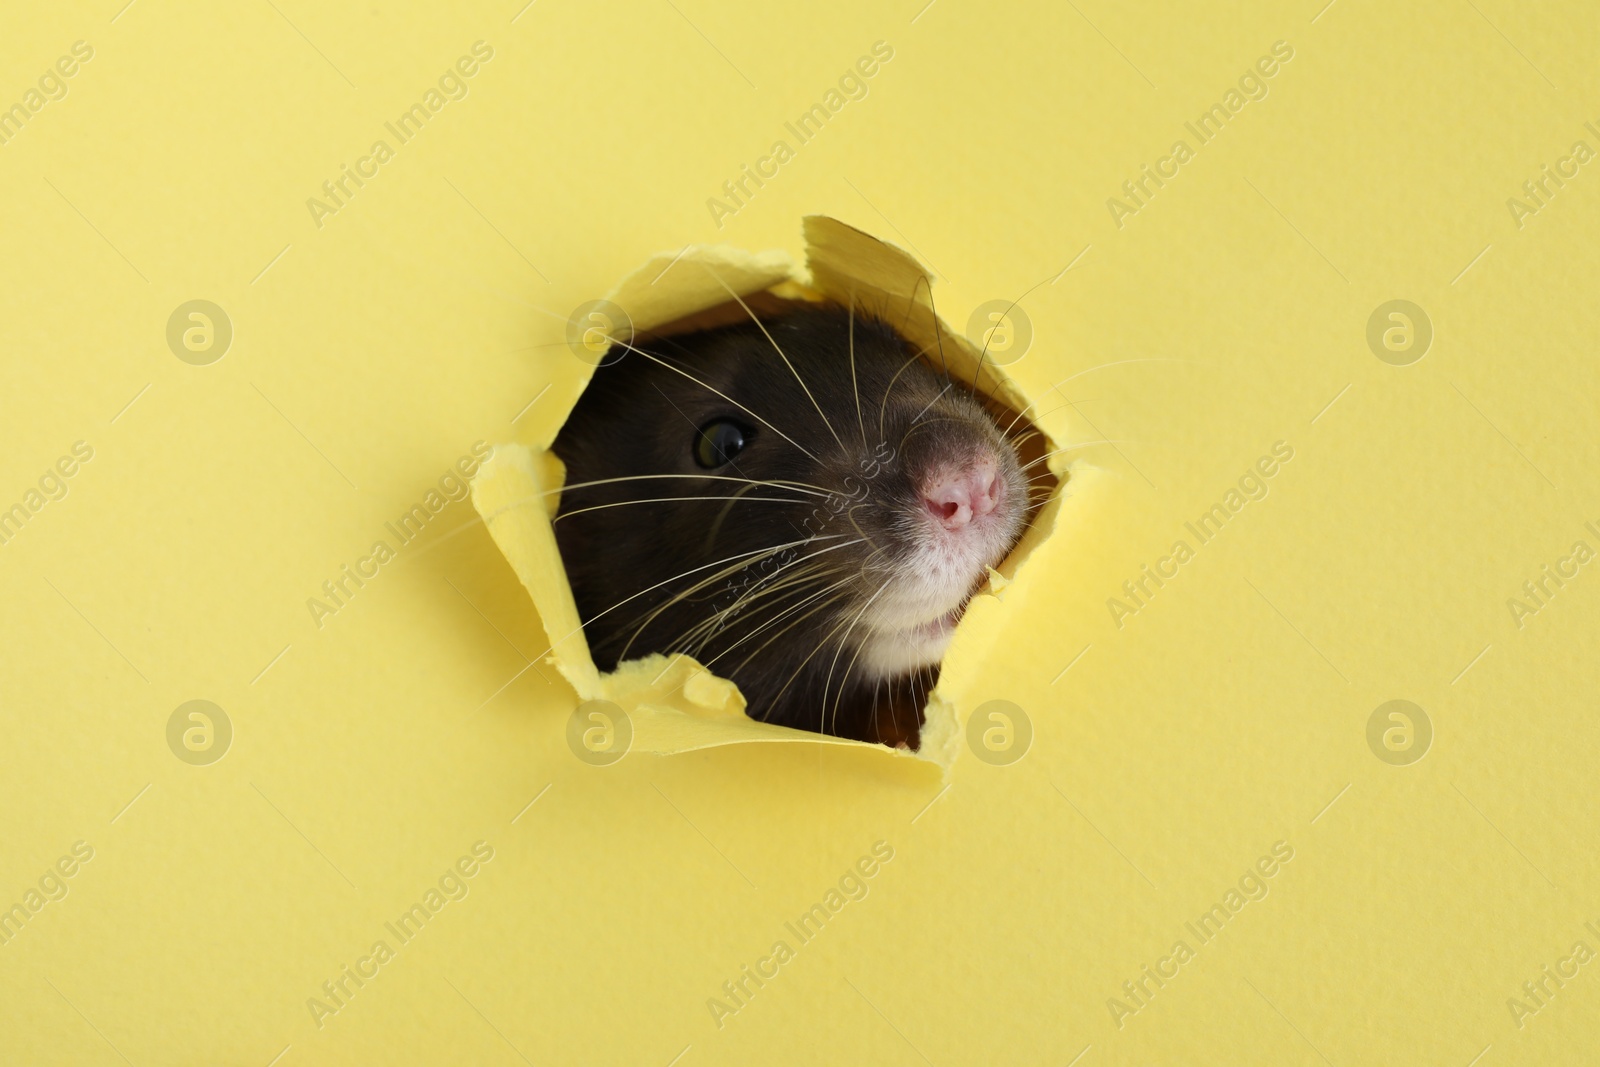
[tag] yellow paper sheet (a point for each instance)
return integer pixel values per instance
(1278, 749)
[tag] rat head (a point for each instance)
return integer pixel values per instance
(804, 504)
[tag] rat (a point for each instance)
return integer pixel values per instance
(804, 502)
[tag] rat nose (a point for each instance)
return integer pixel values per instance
(957, 496)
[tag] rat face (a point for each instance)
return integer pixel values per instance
(804, 504)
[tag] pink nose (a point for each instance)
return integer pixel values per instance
(959, 495)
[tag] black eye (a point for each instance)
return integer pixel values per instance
(719, 441)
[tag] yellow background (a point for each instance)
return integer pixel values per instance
(1228, 714)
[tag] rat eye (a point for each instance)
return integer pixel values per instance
(719, 441)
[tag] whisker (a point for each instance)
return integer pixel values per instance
(1121, 362)
(716, 527)
(884, 406)
(700, 634)
(795, 574)
(768, 643)
(911, 302)
(725, 396)
(716, 524)
(978, 377)
(781, 483)
(854, 387)
(750, 606)
(669, 499)
(762, 327)
(1070, 448)
(823, 644)
(850, 513)
(848, 668)
(948, 386)
(833, 593)
(920, 425)
(1091, 370)
(685, 594)
(481, 520)
(938, 333)
(685, 574)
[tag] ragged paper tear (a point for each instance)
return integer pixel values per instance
(673, 703)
